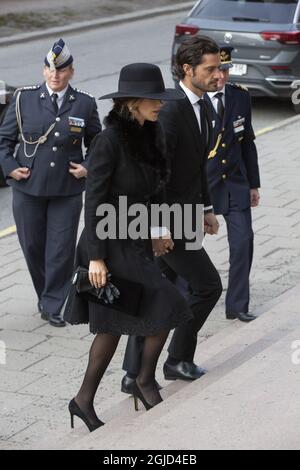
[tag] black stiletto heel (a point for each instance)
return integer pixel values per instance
(76, 411)
(136, 403)
(72, 420)
(138, 394)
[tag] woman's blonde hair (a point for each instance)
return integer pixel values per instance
(125, 107)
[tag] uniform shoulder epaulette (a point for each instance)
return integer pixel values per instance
(238, 86)
(84, 92)
(26, 88)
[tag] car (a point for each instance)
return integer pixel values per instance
(265, 36)
(6, 93)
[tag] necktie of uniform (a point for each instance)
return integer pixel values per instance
(54, 98)
(203, 120)
(220, 106)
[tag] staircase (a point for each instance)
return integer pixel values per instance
(249, 399)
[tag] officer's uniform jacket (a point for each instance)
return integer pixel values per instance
(76, 122)
(232, 165)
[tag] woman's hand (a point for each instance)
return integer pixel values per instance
(98, 273)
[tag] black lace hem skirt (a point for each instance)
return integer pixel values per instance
(162, 307)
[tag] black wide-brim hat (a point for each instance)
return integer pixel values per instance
(143, 81)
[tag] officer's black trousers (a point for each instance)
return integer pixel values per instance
(47, 231)
(241, 240)
(205, 289)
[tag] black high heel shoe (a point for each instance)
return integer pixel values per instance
(76, 411)
(138, 395)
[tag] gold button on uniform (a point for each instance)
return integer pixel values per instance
(224, 146)
(224, 162)
(224, 177)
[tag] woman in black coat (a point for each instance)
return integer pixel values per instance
(126, 159)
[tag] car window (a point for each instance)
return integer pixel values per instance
(271, 11)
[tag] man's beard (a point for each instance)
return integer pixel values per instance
(203, 88)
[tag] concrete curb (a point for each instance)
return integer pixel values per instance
(279, 125)
(94, 24)
(8, 231)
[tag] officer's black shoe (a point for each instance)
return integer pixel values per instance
(127, 385)
(183, 371)
(245, 317)
(56, 321)
(44, 315)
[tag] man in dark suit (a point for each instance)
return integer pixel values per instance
(48, 174)
(188, 132)
(233, 177)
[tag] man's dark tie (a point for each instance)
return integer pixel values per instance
(54, 98)
(203, 120)
(220, 105)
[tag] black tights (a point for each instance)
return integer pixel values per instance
(101, 353)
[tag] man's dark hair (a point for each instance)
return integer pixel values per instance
(191, 52)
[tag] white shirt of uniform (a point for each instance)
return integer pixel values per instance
(214, 100)
(60, 94)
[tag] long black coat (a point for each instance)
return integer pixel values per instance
(126, 159)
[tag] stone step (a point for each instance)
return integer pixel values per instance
(243, 403)
(255, 341)
(123, 409)
(217, 351)
(256, 406)
(224, 337)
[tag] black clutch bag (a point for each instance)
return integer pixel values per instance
(119, 294)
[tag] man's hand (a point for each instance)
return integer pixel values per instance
(211, 224)
(255, 197)
(162, 246)
(78, 170)
(20, 174)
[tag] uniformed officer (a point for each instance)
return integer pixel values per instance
(48, 174)
(6, 94)
(233, 177)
